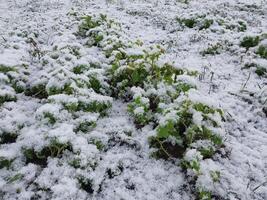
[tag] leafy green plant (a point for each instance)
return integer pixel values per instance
(190, 22)
(139, 109)
(54, 149)
(242, 27)
(204, 195)
(159, 94)
(8, 137)
(5, 162)
(38, 91)
(94, 106)
(85, 126)
(261, 71)
(66, 89)
(87, 24)
(19, 87)
(262, 52)
(99, 145)
(95, 84)
(249, 42)
(79, 69)
(51, 118)
(206, 24)
(215, 175)
(86, 184)
(7, 97)
(212, 50)
(5, 69)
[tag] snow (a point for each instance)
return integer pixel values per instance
(220, 83)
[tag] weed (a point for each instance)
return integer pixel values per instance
(206, 24)
(5, 162)
(249, 42)
(212, 50)
(262, 52)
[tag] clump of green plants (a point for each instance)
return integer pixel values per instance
(212, 50)
(65, 89)
(86, 184)
(242, 27)
(54, 149)
(262, 51)
(50, 117)
(190, 22)
(5, 69)
(85, 126)
(94, 106)
(95, 83)
(99, 145)
(206, 24)
(37, 91)
(79, 69)
(18, 86)
(259, 70)
(249, 42)
(139, 109)
(160, 95)
(87, 24)
(7, 96)
(200, 22)
(179, 125)
(203, 194)
(5, 162)
(239, 26)
(8, 137)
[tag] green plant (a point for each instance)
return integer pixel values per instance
(8, 137)
(242, 27)
(85, 126)
(66, 89)
(86, 184)
(38, 91)
(212, 50)
(51, 118)
(262, 52)
(18, 87)
(159, 94)
(54, 149)
(99, 145)
(204, 195)
(139, 109)
(190, 22)
(5, 69)
(261, 71)
(5, 162)
(249, 42)
(87, 24)
(215, 175)
(7, 97)
(94, 106)
(79, 69)
(95, 84)
(206, 24)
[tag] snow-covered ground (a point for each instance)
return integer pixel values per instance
(38, 38)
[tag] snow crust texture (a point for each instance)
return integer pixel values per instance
(133, 99)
